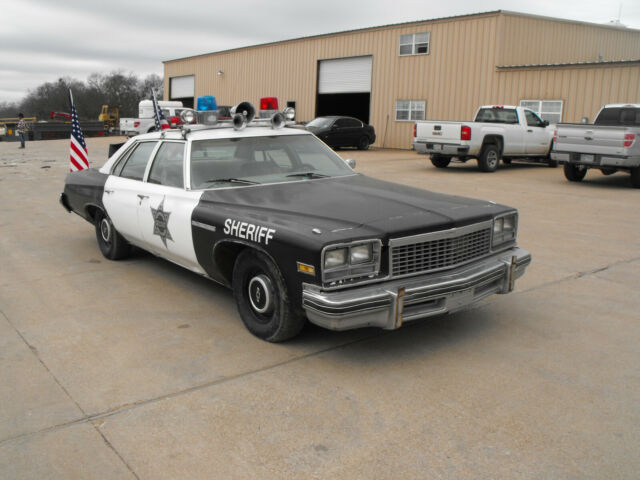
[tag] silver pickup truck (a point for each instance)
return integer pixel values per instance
(611, 144)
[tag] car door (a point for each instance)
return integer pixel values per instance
(353, 131)
(536, 135)
(337, 133)
(165, 207)
(123, 190)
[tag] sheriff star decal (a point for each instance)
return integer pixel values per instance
(161, 223)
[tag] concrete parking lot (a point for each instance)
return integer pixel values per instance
(140, 369)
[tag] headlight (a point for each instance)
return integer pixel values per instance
(360, 254)
(504, 229)
(349, 261)
(335, 258)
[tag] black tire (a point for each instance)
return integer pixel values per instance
(635, 177)
(262, 298)
(363, 143)
(489, 158)
(112, 245)
(439, 161)
(574, 173)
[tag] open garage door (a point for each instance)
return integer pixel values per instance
(344, 87)
(182, 89)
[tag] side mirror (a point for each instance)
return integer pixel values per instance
(351, 162)
(545, 123)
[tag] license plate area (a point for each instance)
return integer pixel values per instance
(585, 158)
(437, 146)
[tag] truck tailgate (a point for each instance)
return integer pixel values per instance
(438, 132)
(591, 139)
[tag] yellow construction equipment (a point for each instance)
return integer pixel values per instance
(110, 116)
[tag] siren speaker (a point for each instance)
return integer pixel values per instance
(245, 109)
(239, 121)
(277, 120)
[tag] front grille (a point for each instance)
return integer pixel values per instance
(427, 255)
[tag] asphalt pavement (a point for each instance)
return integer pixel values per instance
(141, 369)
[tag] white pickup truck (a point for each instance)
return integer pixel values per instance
(497, 132)
(612, 143)
(145, 122)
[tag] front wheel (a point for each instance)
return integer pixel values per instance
(574, 173)
(262, 298)
(112, 245)
(363, 143)
(489, 158)
(439, 161)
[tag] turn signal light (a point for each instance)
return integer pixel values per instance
(465, 132)
(136, 124)
(415, 130)
(629, 138)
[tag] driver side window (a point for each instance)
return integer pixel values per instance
(136, 163)
(532, 119)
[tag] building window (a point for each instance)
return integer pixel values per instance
(550, 110)
(409, 110)
(414, 44)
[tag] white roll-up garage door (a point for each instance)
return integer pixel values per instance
(182, 87)
(345, 75)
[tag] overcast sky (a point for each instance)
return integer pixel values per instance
(42, 40)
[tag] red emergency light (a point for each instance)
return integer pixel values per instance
(269, 103)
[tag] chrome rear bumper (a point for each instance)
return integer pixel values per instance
(390, 304)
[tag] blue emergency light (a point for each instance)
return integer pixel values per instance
(207, 102)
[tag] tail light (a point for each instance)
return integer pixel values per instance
(629, 138)
(555, 136)
(269, 103)
(415, 130)
(136, 124)
(465, 132)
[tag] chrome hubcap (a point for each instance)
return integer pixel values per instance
(492, 158)
(260, 294)
(105, 230)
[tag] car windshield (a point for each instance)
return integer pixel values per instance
(320, 122)
(234, 162)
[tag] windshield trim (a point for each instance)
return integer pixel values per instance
(275, 183)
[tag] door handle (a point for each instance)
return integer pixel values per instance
(530, 131)
(108, 191)
(142, 197)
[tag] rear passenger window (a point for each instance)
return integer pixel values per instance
(135, 165)
(167, 166)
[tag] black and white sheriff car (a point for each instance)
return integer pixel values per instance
(276, 215)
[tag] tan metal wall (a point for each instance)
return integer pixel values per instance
(459, 73)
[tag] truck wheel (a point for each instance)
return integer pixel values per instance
(112, 245)
(262, 298)
(363, 143)
(439, 161)
(489, 158)
(574, 173)
(635, 177)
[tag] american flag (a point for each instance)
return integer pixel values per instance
(79, 157)
(159, 116)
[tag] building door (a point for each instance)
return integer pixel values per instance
(182, 89)
(344, 87)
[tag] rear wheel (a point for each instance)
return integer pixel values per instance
(635, 177)
(439, 161)
(112, 245)
(574, 173)
(262, 298)
(363, 143)
(489, 158)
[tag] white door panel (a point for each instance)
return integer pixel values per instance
(537, 140)
(121, 200)
(164, 216)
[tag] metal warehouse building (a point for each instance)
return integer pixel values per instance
(432, 69)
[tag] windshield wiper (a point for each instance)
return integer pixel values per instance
(233, 180)
(308, 174)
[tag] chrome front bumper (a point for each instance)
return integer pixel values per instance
(390, 304)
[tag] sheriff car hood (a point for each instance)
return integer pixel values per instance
(350, 207)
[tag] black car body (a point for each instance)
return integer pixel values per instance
(283, 221)
(338, 131)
